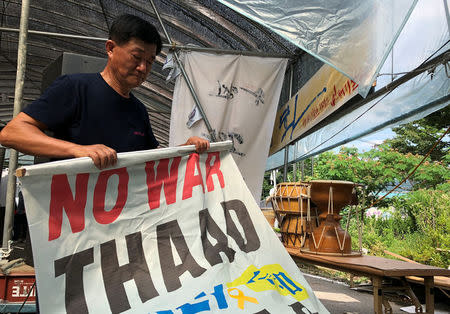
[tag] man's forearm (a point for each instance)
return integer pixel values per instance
(30, 140)
(26, 135)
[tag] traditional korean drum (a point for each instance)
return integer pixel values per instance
(291, 197)
(330, 196)
(291, 203)
(294, 230)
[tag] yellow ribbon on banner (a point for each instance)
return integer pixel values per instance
(241, 297)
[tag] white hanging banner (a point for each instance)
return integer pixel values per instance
(165, 231)
(239, 95)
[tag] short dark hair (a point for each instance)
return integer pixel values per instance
(127, 26)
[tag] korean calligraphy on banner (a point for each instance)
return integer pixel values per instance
(239, 95)
(165, 231)
(325, 92)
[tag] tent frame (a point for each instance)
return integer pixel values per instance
(173, 46)
(18, 103)
(20, 81)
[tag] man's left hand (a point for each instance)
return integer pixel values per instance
(201, 144)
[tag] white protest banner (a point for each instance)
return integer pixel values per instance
(164, 231)
(239, 95)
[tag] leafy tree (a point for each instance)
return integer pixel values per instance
(379, 170)
(419, 136)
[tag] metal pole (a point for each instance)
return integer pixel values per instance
(303, 170)
(291, 83)
(447, 14)
(2, 161)
(294, 168)
(291, 79)
(172, 46)
(18, 101)
(232, 52)
(392, 63)
(286, 148)
(186, 78)
(392, 50)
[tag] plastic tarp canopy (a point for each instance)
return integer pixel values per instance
(415, 99)
(353, 36)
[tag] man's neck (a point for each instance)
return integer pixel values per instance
(112, 81)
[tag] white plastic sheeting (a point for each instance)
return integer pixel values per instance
(353, 36)
(426, 35)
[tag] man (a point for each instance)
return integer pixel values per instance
(95, 115)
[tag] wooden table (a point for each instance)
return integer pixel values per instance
(378, 268)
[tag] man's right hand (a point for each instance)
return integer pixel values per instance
(102, 156)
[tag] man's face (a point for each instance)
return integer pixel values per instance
(132, 61)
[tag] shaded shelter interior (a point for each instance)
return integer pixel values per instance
(201, 23)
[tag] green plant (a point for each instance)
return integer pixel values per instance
(418, 227)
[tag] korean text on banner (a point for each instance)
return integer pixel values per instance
(325, 92)
(239, 95)
(165, 231)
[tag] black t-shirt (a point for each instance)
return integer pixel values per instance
(84, 109)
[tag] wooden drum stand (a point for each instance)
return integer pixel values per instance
(329, 238)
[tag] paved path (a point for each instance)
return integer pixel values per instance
(338, 298)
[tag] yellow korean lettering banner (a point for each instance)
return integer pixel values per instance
(325, 92)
